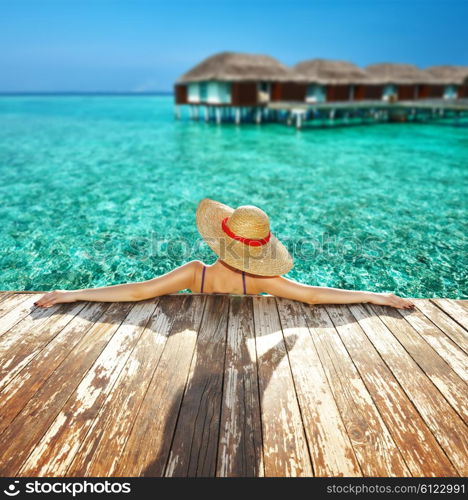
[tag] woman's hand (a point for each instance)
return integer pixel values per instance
(55, 297)
(390, 299)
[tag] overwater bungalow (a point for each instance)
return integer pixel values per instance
(448, 82)
(236, 80)
(331, 80)
(394, 81)
(240, 87)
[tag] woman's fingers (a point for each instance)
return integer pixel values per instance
(47, 300)
(400, 302)
(408, 304)
(42, 301)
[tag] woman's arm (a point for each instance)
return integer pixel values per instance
(289, 289)
(178, 279)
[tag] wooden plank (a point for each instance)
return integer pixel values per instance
(23, 342)
(441, 344)
(457, 312)
(446, 425)
(21, 329)
(421, 451)
(157, 367)
(373, 445)
(57, 448)
(444, 363)
(18, 307)
(8, 303)
(194, 447)
(147, 449)
(20, 390)
(285, 449)
(331, 450)
(463, 303)
(45, 405)
(4, 295)
(444, 322)
(240, 442)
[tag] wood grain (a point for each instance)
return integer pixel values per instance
(9, 300)
(331, 449)
(22, 310)
(23, 342)
(195, 443)
(444, 352)
(421, 451)
(443, 421)
(217, 385)
(21, 437)
(58, 446)
(376, 451)
(285, 448)
(129, 435)
(240, 452)
(444, 323)
(457, 312)
(21, 389)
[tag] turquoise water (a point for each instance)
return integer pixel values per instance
(103, 190)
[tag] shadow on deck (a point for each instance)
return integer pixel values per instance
(196, 385)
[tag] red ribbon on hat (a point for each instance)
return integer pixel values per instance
(245, 241)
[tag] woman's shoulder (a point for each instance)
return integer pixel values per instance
(195, 267)
(189, 269)
(197, 263)
(193, 264)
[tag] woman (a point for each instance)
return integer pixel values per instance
(251, 261)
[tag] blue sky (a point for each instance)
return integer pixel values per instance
(144, 45)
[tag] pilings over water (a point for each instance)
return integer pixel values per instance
(228, 114)
(330, 113)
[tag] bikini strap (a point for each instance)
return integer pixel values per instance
(203, 278)
(243, 282)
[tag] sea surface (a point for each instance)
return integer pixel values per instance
(101, 190)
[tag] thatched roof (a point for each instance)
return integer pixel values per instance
(236, 66)
(328, 71)
(397, 73)
(446, 75)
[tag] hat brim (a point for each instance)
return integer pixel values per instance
(271, 259)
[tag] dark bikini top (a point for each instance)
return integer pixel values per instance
(203, 281)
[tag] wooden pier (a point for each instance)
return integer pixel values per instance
(329, 114)
(203, 385)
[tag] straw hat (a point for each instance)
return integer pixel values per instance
(242, 238)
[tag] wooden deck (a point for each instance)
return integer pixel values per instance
(196, 385)
(419, 104)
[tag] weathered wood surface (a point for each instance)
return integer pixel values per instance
(240, 450)
(365, 426)
(285, 447)
(131, 405)
(197, 385)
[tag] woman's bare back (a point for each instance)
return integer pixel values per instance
(222, 278)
